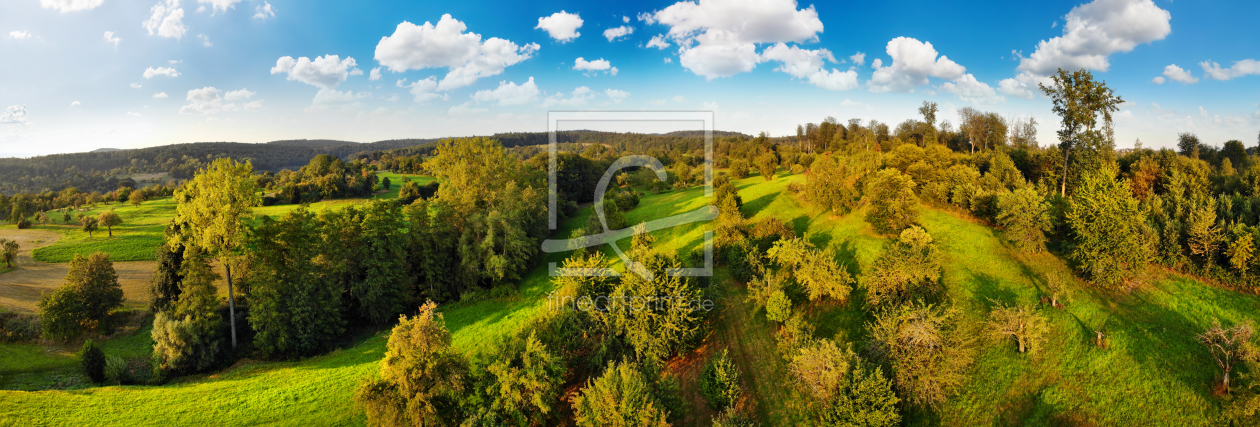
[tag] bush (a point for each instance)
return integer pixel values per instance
(719, 382)
(1111, 231)
(116, 368)
(778, 307)
(269, 201)
(739, 169)
(93, 361)
(795, 187)
(622, 396)
(15, 327)
(797, 168)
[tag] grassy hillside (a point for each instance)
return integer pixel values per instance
(1152, 373)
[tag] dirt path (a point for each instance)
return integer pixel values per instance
(20, 289)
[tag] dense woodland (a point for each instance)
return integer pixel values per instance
(300, 283)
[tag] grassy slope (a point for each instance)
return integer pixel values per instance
(1152, 374)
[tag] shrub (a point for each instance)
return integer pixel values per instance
(797, 168)
(908, 269)
(719, 382)
(116, 369)
(865, 398)
(814, 269)
(893, 205)
(832, 185)
(795, 187)
(766, 165)
(526, 381)
(622, 396)
(15, 327)
(93, 361)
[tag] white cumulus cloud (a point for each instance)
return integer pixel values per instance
(20, 34)
(238, 95)
(616, 95)
(159, 95)
(1094, 31)
(70, 5)
(719, 39)
(75, 104)
(136, 85)
(509, 93)
(14, 115)
(596, 65)
(423, 90)
(220, 5)
(325, 72)
(579, 97)
(858, 58)
(618, 32)
(658, 42)
(109, 38)
(375, 74)
(810, 65)
(967, 88)
(1024, 85)
(415, 47)
(166, 20)
(913, 62)
(1159, 80)
(561, 26)
(1175, 73)
(263, 12)
(1239, 69)
(159, 71)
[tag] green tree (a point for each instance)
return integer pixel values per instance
(719, 382)
(739, 169)
(385, 183)
(1024, 215)
(90, 224)
(525, 381)
(84, 301)
(1022, 322)
(164, 286)
(893, 205)
(909, 269)
(8, 252)
(296, 308)
(216, 206)
(136, 197)
(670, 318)
(766, 164)
(422, 380)
(831, 186)
(621, 397)
(1227, 345)
(928, 110)
(186, 336)
(1080, 102)
(92, 359)
(865, 399)
(1110, 228)
(109, 219)
(927, 352)
(814, 269)
(65, 216)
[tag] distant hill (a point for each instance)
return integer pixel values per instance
(106, 150)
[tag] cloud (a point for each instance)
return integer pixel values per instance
(1024, 85)
(20, 35)
(580, 96)
(14, 115)
(375, 74)
(205, 41)
(325, 72)
(913, 62)
(625, 19)
(238, 95)
(75, 104)
(414, 47)
(159, 71)
(136, 85)
(858, 58)
(64, 6)
(596, 65)
(465, 109)
(615, 33)
(159, 95)
(329, 98)
(133, 114)
(616, 95)
(263, 12)
(253, 105)
(1175, 73)
(203, 101)
(850, 103)
(166, 20)
(1159, 80)
(423, 90)
(678, 98)
(561, 26)
(109, 38)
(1240, 68)
(1094, 31)
(718, 39)
(220, 5)
(967, 88)
(669, 60)
(509, 93)
(658, 42)
(810, 65)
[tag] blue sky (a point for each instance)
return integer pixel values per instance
(85, 74)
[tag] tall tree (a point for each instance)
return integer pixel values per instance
(928, 110)
(1080, 102)
(215, 204)
(109, 219)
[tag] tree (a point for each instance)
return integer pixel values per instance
(739, 169)
(621, 397)
(1021, 322)
(831, 185)
(296, 307)
(820, 368)
(109, 219)
(1188, 145)
(90, 224)
(385, 183)
(42, 218)
(928, 111)
(65, 216)
(1079, 101)
(84, 301)
(164, 286)
(766, 164)
(1110, 228)
(216, 206)
(422, 380)
(526, 381)
(8, 251)
(814, 269)
(1236, 153)
(136, 197)
(186, 336)
(865, 398)
(925, 349)
(1226, 345)
(719, 382)
(1242, 252)
(893, 205)
(909, 269)
(92, 359)
(1024, 215)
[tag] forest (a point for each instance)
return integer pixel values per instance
(928, 273)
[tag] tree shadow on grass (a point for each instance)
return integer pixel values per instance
(846, 254)
(754, 206)
(991, 292)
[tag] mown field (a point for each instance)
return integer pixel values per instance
(1153, 373)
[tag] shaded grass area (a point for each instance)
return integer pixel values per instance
(27, 366)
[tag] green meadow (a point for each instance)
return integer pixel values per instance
(1152, 373)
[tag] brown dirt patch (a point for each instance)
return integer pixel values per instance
(20, 288)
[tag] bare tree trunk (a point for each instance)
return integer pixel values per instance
(1063, 183)
(231, 304)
